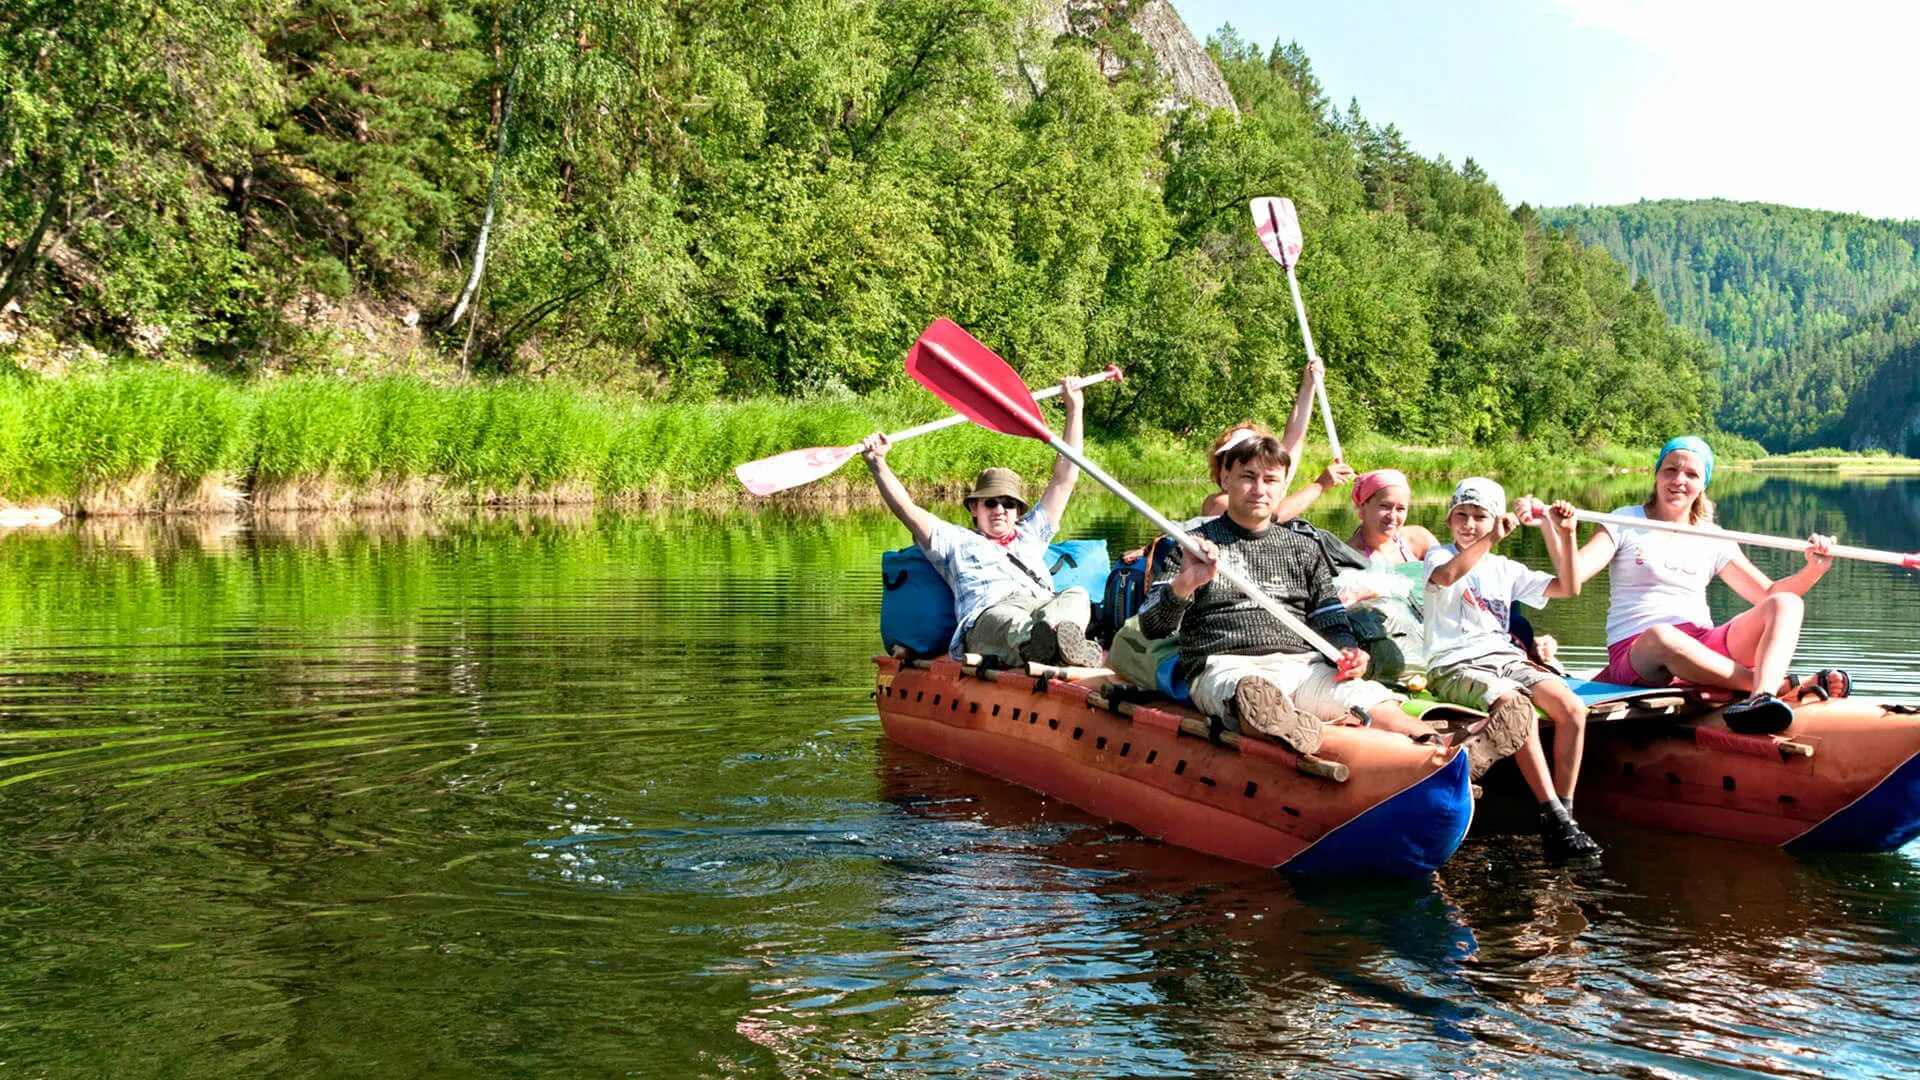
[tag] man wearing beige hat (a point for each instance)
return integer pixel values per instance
(1003, 595)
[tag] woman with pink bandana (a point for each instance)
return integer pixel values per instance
(1388, 589)
(1381, 497)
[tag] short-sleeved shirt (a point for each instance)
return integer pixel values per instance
(1468, 619)
(1660, 578)
(980, 572)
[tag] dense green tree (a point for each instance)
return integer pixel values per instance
(733, 198)
(1856, 387)
(111, 114)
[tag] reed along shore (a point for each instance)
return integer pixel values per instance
(154, 439)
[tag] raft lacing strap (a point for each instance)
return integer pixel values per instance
(1216, 725)
(994, 663)
(1119, 692)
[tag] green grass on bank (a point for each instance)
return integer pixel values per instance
(154, 436)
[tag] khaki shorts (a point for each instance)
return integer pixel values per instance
(1304, 677)
(1483, 680)
(1004, 627)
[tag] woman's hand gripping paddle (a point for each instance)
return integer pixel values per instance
(981, 387)
(1279, 228)
(781, 472)
(1910, 561)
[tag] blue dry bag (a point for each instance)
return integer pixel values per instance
(916, 607)
(1079, 562)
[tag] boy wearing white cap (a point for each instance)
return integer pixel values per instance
(1472, 659)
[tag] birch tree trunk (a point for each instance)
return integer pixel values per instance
(493, 202)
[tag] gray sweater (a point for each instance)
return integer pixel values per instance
(1287, 565)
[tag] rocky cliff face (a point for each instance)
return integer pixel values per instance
(1181, 59)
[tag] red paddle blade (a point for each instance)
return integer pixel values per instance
(1279, 228)
(793, 468)
(979, 385)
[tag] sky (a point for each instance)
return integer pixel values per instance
(1611, 101)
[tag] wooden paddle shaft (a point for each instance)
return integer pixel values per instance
(1319, 381)
(1839, 551)
(1054, 391)
(1226, 572)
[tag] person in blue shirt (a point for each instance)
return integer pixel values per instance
(1003, 594)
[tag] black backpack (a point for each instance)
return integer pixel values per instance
(1126, 588)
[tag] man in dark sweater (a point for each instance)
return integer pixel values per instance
(1242, 664)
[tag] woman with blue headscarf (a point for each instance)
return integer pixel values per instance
(1660, 631)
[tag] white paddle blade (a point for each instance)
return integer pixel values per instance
(1279, 228)
(792, 469)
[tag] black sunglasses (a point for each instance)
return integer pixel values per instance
(998, 503)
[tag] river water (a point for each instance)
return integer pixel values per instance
(604, 794)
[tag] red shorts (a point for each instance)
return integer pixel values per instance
(1619, 670)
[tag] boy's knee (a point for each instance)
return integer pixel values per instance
(1783, 604)
(1512, 699)
(1510, 723)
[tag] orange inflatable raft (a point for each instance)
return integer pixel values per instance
(1844, 777)
(1368, 803)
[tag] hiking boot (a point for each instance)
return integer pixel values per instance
(1265, 708)
(1758, 714)
(1509, 724)
(1075, 649)
(1563, 840)
(1065, 644)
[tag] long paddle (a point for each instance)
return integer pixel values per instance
(796, 467)
(1279, 228)
(1838, 551)
(981, 387)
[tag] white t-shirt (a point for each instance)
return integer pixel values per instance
(1660, 578)
(1468, 618)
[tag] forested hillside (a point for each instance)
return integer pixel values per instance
(1857, 387)
(1804, 305)
(738, 198)
(1885, 412)
(1757, 278)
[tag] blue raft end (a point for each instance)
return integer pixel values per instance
(1881, 820)
(1409, 835)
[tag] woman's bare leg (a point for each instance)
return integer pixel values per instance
(1663, 653)
(1763, 638)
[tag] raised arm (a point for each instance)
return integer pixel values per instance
(1469, 556)
(1060, 487)
(918, 521)
(1557, 528)
(1335, 475)
(1594, 555)
(1294, 436)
